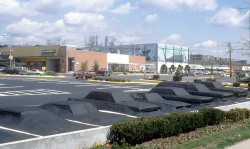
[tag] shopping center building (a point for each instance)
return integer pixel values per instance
(68, 58)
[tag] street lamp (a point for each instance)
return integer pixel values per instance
(10, 47)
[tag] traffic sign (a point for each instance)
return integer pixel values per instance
(11, 57)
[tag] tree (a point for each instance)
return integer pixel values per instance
(180, 67)
(112, 41)
(92, 41)
(96, 65)
(106, 41)
(84, 65)
(172, 68)
(164, 68)
(187, 68)
(57, 41)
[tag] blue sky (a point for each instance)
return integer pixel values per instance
(201, 25)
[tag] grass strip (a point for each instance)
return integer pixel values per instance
(220, 140)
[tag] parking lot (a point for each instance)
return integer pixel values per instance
(35, 91)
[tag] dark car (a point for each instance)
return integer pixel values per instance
(217, 86)
(179, 94)
(104, 72)
(118, 102)
(10, 70)
(200, 90)
(84, 75)
(184, 73)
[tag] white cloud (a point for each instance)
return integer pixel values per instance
(127, 39)
(206, 44)
(86, 20)
(33, 32)
(123, 9)
(12, 10)
(151, 18)
(228, 17)
(15, 10)
(177, 4)
(171, 39)
(138, 29)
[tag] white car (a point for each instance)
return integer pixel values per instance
(35, 72)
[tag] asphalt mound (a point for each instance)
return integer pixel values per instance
(36, 121)
(84, 112)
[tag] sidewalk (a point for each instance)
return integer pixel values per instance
(241, 145)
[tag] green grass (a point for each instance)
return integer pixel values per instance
(220, 140)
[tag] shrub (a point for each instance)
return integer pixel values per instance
(147, 128)
(237, 114)
(156, 77)
(236, 84)
(212, 116)
(211, 80)
(232, 115)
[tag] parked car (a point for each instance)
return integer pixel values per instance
(184, 74)
(22, 70)
(10, 70)
(35, 72)
(104, 72)
(191, 73)
(75, 73)
(206, 73)
(199, 73)
(1, 68)
(84, 75)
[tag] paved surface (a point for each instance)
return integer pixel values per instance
(241, 145)
(35, 91)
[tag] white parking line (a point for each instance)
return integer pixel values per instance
(12, 87)
(83, 123)
(20, 131)
(142, 90)
(105, 111)
(32, 92)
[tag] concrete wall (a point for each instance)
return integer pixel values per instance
(117, 58)
(71, 140)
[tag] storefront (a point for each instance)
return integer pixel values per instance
(36, 63)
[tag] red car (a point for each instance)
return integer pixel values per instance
(84, 75)
(184, 74)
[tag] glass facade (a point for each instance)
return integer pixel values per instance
(152, 52)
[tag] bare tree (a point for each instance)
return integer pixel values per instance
(112, 41)
(92, 41)
(96, 40)
(106, 41)
(57, 41)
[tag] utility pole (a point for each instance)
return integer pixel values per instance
(229, 46)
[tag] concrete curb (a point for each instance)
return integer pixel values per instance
(76, 139)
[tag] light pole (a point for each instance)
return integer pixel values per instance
(10, 47)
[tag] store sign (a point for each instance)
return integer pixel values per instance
(49, 51)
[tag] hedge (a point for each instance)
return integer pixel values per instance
(112, 79)
(147, 128)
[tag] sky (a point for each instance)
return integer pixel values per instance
(205, 26)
